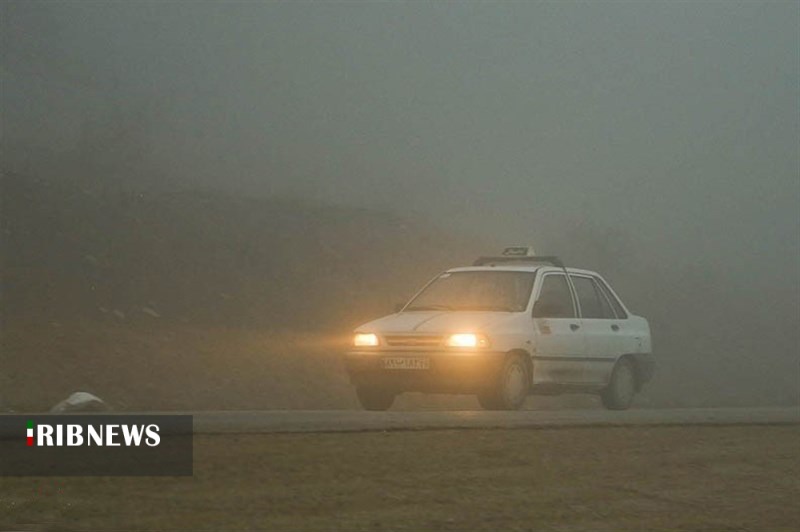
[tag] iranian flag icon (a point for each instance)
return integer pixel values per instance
(30, 433)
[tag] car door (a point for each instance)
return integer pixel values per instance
(630, 333)
(601, 330)
(558, 332)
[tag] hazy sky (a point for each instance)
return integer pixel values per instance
(677, 120)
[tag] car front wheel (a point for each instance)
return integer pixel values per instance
(511, 388)
(622, 387)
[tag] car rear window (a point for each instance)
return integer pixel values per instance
(620, 312)
(593, 304)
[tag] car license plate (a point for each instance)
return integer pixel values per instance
(406, 363)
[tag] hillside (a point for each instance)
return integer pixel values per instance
(207, 258)
(195, 299)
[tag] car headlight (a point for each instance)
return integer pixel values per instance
(467, 340)
(365, 340)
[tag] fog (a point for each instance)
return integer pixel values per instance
(654, 142)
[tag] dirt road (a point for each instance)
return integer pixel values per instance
(636, 478)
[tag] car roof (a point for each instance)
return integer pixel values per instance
(518, 268)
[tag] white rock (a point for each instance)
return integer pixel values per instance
(80, 402)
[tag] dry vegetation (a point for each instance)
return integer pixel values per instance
(677, 478)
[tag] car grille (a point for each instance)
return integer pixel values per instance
(413, 341)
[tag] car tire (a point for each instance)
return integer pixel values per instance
(620, 391)
(511, 388)
(375, 399)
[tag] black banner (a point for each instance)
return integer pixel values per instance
(96, 445)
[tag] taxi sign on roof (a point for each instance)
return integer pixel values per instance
(519, 251)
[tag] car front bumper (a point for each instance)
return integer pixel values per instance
(447, 371)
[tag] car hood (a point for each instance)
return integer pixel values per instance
(434, 322)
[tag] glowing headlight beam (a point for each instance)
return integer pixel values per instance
(467, 340)
(365, 340)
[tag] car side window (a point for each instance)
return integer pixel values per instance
(618, 310)
(555, 299)
(593, 304)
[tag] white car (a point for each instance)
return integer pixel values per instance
(502, 329)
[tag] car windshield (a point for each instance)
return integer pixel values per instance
(506, 291)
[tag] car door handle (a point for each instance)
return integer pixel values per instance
(615, 327)
(574, 326)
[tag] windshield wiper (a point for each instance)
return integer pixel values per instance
(431, 307)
